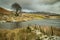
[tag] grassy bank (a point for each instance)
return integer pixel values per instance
(25, 17)
(30, 33)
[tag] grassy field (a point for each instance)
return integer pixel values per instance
(30, 33)
(24, 17)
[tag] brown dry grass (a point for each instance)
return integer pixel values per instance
(26, 33)
(24, 17)
(17, 34)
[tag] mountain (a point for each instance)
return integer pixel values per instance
(46, 13)
(4, 11)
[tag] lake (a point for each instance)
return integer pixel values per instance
(47, 22)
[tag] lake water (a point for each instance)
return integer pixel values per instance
(47, 22)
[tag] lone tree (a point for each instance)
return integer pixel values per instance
(16, 7)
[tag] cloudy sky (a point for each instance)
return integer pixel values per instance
(52, 6)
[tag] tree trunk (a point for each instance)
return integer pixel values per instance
(20, 12)
(16, 13)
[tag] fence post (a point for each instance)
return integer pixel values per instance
(51, 30)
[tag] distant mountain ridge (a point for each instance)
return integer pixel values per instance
(46, 13)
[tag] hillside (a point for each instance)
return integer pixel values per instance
(4, 11)
(9, 16)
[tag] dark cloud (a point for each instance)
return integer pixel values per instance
(48, 1)
(36, 5)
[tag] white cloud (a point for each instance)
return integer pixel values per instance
(26, 10)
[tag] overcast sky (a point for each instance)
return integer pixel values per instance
(52, 6)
